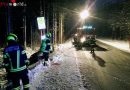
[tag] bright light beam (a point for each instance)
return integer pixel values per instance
(84, 14)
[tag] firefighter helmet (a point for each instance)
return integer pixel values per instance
(48, 35)
(12, 36)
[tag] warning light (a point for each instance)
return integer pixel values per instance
(13, 1)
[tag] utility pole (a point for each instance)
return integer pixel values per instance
(61, 27)
(55, 27)
(42, 12)
(8, 18)
(31, 35)
(24, 21)
(47, 16)
(55, 23)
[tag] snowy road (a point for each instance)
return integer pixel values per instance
(108, 69)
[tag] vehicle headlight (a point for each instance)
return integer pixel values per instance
(82, 39)
(72, 40)
(76, 35)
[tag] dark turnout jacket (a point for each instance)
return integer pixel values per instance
(45, 45)
(14, 58)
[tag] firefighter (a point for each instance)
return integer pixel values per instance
(15, 61)
(45, 48)
(92, 43)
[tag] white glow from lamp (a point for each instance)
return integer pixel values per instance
(82, 39)
(84, 14)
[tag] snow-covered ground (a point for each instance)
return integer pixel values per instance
(120, 44)
(62, 73)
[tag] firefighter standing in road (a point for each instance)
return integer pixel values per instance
(45, 48)
(15, 61)
(92, 43)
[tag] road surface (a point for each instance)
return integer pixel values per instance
(108, 69)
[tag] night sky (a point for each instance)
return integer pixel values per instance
(103, 3)
(33, 10)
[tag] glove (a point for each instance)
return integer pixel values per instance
(51, 51)
(27, 63)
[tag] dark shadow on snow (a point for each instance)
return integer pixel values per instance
(99, 48)
(96, 48)
(100, 61)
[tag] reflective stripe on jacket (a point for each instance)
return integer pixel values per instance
(45, 45)
(15, 58)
